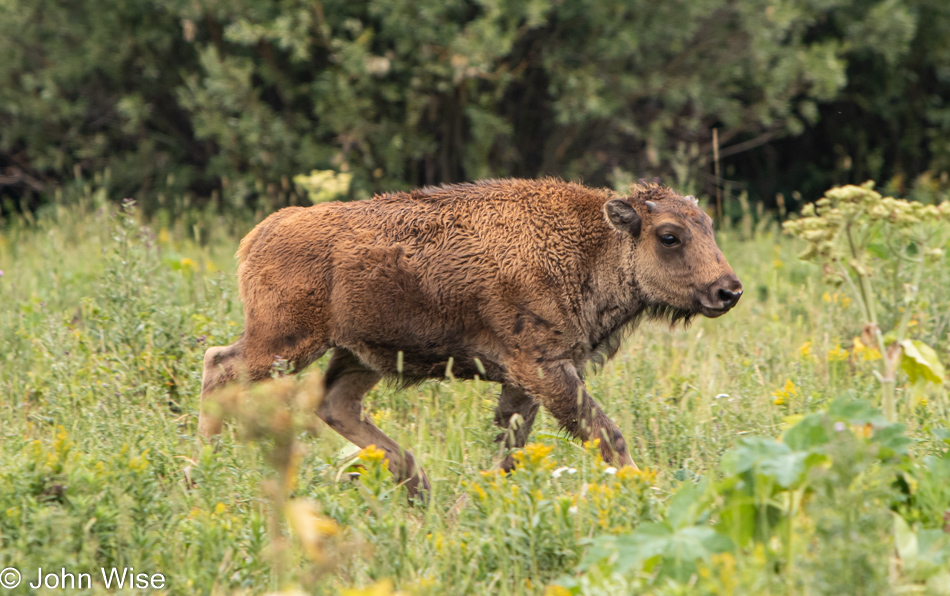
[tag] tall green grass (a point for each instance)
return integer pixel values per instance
(103, 323)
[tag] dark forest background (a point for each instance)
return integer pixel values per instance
(225, 101)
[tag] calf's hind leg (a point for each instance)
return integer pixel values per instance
(248, 360)
(222, 364)
(345, 384)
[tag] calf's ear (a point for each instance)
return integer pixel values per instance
(622, 216)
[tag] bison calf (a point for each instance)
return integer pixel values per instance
(522, 282)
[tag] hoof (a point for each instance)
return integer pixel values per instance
(507, 464)
(418, 489)
(189, 479)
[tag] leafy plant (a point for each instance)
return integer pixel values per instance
(230, 100)
(324, 185)
(670, 548)
(790, 504)
(925, 555)
(880, 248)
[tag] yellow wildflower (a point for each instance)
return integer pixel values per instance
(782, 395)
(805, 350)
(381, 416)
(482, 495)
(594, 444)
(628, 473)
(864, 351)
(837, 354)
(372, 453)
(309, 527)
(381, 588)
(139, 462)
(726, 565)
(836, 298)
(534, 455)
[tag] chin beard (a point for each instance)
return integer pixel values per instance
(670, 314)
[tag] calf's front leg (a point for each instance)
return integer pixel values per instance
(559, 388)
(515, 414)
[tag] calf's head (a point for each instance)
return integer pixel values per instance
(675, 261)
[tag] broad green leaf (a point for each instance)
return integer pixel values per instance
(933, 546)
(737, 519)
(772, 459)
(921, 361)
(810, 432)
(924, 553)
(892, 437)
(686, 505)
(785, 469)
(905, 540)
(855, 411)
(685, 546)
(675, 551)
(750, 452)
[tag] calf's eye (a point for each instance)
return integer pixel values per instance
(669, 240)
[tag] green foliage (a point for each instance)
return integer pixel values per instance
(925, 555)
(670, 549)
(322, 186)
(236, 98)
(920, 361)
(828, 485)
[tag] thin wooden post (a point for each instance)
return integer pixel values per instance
(718, 177)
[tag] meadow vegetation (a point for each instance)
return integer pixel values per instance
(767, 463)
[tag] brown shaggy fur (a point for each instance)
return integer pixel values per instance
(522, 282)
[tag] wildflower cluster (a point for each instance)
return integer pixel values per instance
(837, 298)
(827, 224)
(542, 509)
(837, 354)
(785, 392)
(864, 352)
(374, 472)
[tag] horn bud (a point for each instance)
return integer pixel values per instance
(651, 206)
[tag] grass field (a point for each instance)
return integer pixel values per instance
(102, 329)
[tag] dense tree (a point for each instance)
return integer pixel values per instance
(175, 96)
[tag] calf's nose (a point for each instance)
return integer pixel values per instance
(725, 291)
